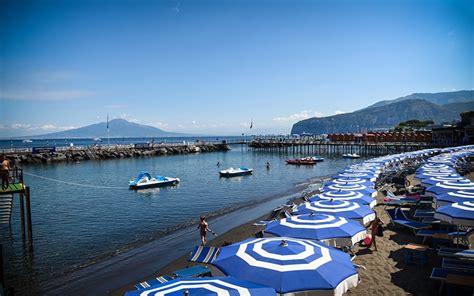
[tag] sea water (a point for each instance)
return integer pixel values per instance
(84, 212)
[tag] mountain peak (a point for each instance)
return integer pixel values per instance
(438, 107)
(118, 128)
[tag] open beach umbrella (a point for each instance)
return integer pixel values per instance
(341, 208)
(332, 230)
(461, 213)
(454, 196)
(358, 197)
(289, 265)
(358, 181)
(367, 176)
(350, 187)
(440, 179)
(218, 286)
(448, 186)
(430, 174)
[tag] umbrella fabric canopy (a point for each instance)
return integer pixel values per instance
(350, 187)
(290, 265)
(433, 180)
(358, 197)
(461, 213)
(367, 176)
(454, 196)
(341, 208)
(351, 181)
(431, 174)
(445, 187)
(219, 286)
(332, 230)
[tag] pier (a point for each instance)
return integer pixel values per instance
(315, 146)
(17, 189)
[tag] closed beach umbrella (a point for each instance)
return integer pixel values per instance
(454, 196)
(218, 286)
(459, 213)
(350, 187)
(358, 197)
(341, 208)
(448, 186)
(289, 265)
(332, 230)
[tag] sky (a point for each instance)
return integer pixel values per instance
(212, 67)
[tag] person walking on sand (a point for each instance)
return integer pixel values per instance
(375, 230)
(203, 229)
(5, 172)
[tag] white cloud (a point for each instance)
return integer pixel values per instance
(160, 124)
(337, 112)
(128, 118)
(115, 106)
(299, 116)
(44, 95)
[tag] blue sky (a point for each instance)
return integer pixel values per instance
(212, 66)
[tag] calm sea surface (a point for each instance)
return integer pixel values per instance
(75, 225)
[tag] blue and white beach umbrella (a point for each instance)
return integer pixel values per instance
(440, 179)
(445, 187)
(218, 286)
(332, 230)
(341, 208)
(431, 174)
(367, 176)
(453, 196)
(350, 187)
(358, 197)
(351, 181)
(461, 213)
(289, 265)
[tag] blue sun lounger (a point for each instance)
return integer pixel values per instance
(398, 217)
(441, 274)
(152, 282)
(429, 233)
(463, 265)
(203, 254)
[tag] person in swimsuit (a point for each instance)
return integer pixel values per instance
(5, 172)
(203, 229)
(374, 226)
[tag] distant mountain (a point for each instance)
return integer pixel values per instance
(118, 128)
(441, 98)
(386, 114)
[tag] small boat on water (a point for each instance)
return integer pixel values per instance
(317, 158)
(27, 141)
(232, 172)
(145, 180)
(351, 155)
(301, 161)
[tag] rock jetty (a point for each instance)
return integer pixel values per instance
(75, 154)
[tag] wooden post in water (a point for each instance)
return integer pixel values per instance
(28, 218)
(22, 216)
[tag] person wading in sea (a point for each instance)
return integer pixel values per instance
(203, 229)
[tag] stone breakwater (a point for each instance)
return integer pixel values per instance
(99, 153)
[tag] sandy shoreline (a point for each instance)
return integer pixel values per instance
(384, 272)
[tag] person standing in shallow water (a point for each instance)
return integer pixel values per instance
(203, 229)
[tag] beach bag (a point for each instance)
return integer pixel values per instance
(379, 230)
(368, 240)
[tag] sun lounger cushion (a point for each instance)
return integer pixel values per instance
(398, 217)
(152, 282)
(465, 265)
(442, 273)
(430, 232)
(203, 254)
(194, 271)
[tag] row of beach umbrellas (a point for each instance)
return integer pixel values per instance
(297, 254)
